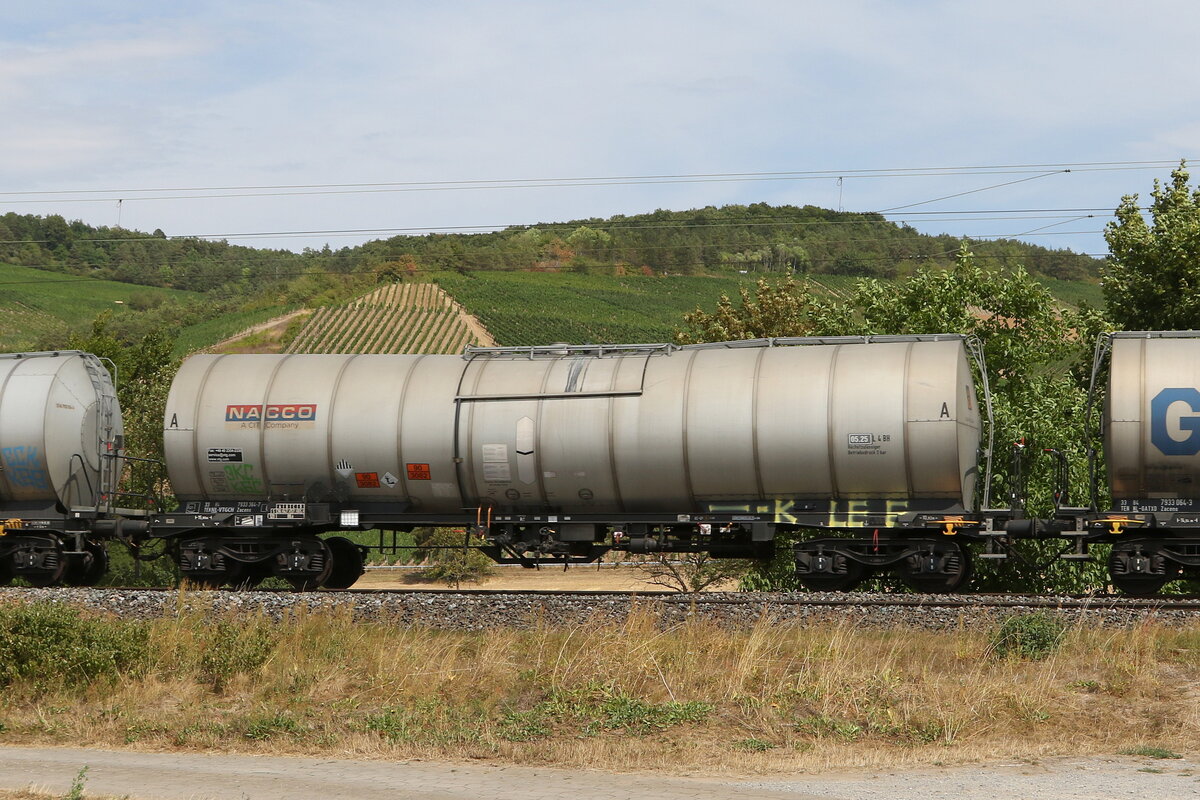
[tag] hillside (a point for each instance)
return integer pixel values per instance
(521, 308)
(756, 239)
(39, 307)
(621, 279)
(398, 318)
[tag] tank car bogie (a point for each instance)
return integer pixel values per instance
(305, 561)
(929, 565)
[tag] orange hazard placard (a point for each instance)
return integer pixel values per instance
(418, 472)
(367, 480)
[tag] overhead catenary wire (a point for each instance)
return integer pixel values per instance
(127, 194)
(980, 189)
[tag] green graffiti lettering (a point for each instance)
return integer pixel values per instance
(242, 479)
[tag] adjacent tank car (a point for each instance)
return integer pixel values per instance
(560, 453)
(60, 448)
(1150, 427)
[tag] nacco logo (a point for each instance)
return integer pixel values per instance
(1175, 421)
(282, 412)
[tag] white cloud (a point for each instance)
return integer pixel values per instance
(244, 93)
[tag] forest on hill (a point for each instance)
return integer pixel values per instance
(754, 239)
(218, 288)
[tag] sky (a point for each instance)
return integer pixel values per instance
(300, 124)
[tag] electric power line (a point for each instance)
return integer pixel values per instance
(283, 190)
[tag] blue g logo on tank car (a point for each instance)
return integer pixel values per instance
(1161, 437)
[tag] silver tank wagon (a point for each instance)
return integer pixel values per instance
(60, 425)
(585, 429)
(553, 450)
(60, 455)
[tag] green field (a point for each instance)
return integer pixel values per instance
(525, 308)
(1074, 293)
(211, 331)
(40, 308)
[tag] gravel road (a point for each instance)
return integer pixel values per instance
(193, 776)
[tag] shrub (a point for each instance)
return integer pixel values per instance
(233, 649)
(1030, 636)
(451, 557)
(53, 645)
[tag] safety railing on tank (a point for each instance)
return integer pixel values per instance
(559, 350)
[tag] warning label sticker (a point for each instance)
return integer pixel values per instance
(497, 473)
(367, 480)
(418, 472)
(868, 444)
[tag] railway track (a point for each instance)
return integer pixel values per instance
(814, 599)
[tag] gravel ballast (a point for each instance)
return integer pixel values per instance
(484, 610)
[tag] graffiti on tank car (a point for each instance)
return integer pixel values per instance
(241, 478)
(1175, 421)
(839, 514)
(24, 468)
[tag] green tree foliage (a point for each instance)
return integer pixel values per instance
(53, 243)
(1038, 358)
(754, 239)
(786, 308)
(1153, 279)
(143, 369)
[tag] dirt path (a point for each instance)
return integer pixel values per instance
(195, 776)
(476, 328)
(192, 776)
(581, 578)
(273, 323)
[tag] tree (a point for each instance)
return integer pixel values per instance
(786, 308)
(143, 370)
(1153, 279)
(692, 572)
(451, 556)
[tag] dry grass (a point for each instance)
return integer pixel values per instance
(631, 696)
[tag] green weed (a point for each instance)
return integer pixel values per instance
(1029, 636)
(1151, 752)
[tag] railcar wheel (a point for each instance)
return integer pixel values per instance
(307, 567)
(44, 564)
(1139, 573)
(347, 563)
(88, 568)
(852, 575)
(938, 569)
